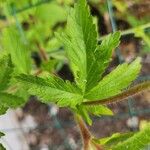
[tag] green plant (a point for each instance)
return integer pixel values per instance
(135, 21)
(89, 92)
(35, 27)
(138, 22)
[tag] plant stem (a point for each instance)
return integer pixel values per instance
(42, 52)
(122, 96)
(130, 31)
(85, 133)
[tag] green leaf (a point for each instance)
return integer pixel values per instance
(102, 56)
(6, 69)
(114, 139)
(1, 134)
(52, 89)
(49, 66)
(99, 110)
(137, 89)
(137, 142)
(87, 59)
(140, 33)
(84, 113)
(9, 100)
(103, 51)
(46, 15)
(114, 82)
(18, 49)
(1, 147)
(3, 109)
(80, 42)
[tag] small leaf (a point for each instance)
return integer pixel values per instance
(49, 66)
(9, 100)
(108, 142)
(99, 110)
(52, 89)
(6, 69)
(18, 50)
(1, 146)
(84, 113)
(137, 142)
(117, 138)
(114, 82)
(102, 55)
(3, 109)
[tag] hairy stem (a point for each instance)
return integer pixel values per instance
(122, 96)
(85, 133)
(42, 52)
(130, 31)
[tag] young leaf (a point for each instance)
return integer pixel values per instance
(137, 142)
(114, 139)
(98, 110)
(80, 41)
(117, 80)
(84, 113)
(49, 66)
(9, 100)
(3, 109)
(102, 55)
(18, 49)
(6, 69)
(52, 89)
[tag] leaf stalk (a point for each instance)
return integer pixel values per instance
(86, 135)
